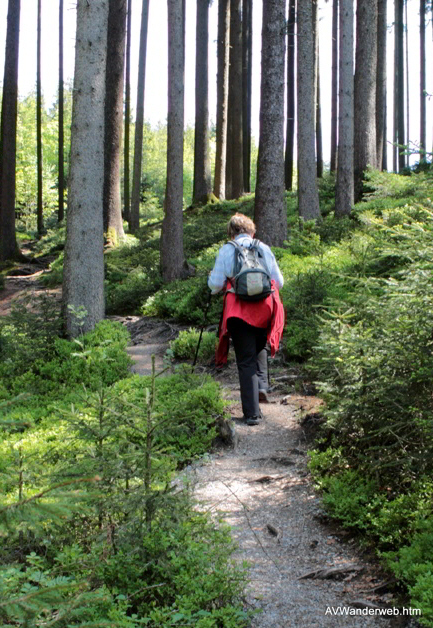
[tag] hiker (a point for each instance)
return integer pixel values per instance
(250, 324)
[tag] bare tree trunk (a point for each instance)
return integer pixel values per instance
(290, 125)
(319, 143)
(422, 82)
(345, 183)
(395, 93)
(8, 132)
(222, 97)
(406, 29)
(202, 177)
(139, 122)
(400, 86)
(234, 164)
(61, 144)
(270, 210)
(247, 50)
(381, 82)
(334, 86)
(39, 210)
(126, 144)
(308, 197)
(172, 256)
(113, 223)
(365, 91)
(83, 275)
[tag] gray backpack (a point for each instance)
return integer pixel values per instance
(252, 279)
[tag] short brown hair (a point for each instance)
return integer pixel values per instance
(239, 223)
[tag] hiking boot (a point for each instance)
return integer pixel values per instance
(252, 420)
(263, 396)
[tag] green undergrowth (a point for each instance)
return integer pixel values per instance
(97, 527)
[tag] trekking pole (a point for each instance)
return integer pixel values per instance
(201, 330)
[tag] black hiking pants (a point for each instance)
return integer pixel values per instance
(252, 361)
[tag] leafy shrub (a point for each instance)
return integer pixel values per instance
(185, 345)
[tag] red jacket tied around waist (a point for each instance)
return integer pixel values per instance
(267, 314)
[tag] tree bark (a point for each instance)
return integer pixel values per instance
(234, 163)
(39, 210)
(365, 91)
(290, 123)
(270, 211)
(222, 97)
(61, 140)
(406, 30)
(172, 256)
(334, 87)
(308, 197)
(126, 144)
(400, 86)
(381, 82)
(202, 177)
(8, 132)
(345, 183)
(113, 223)
(422, 82)
(247, 51)
(83, 279)
(139, 122)
(319, 142)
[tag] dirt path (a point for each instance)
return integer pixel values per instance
(262, 489)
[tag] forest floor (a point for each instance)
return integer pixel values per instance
(304, 571)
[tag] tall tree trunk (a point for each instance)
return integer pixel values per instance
(422, 81)
(139, 122)
(234, 164)
(126, 144)
(222, 97)
(319, 143)
(308, 197)
(172, 256)
(345, 182)
(39, 210)
(83, 277)
(113, 223)
(290, 124)
(395, 93)
(334, 86)
(381, 82)
(61, 140)
(400, 86)
(8, 133)
(365, 91)
(202, 178)
(270, 210)
(406, 29)
(247, 51)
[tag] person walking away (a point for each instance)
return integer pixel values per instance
(250, 324)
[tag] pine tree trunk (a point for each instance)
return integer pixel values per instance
(395, 93)
(126, 142)
(381, 81)
(247, 50)
(334, 87)
(222, 97)
(400, 86)
(319, 142)
(234, 164)
(345, 183)
(202, 177)
(39, 210)
(290, 123)
(8, 132)
(422, 82)
(83, 275)
(308, 197)
(113, 223)
(406, 30)
(270, 210)
(172, 256)
(139, 122)
(365, 91)
(61, 140)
